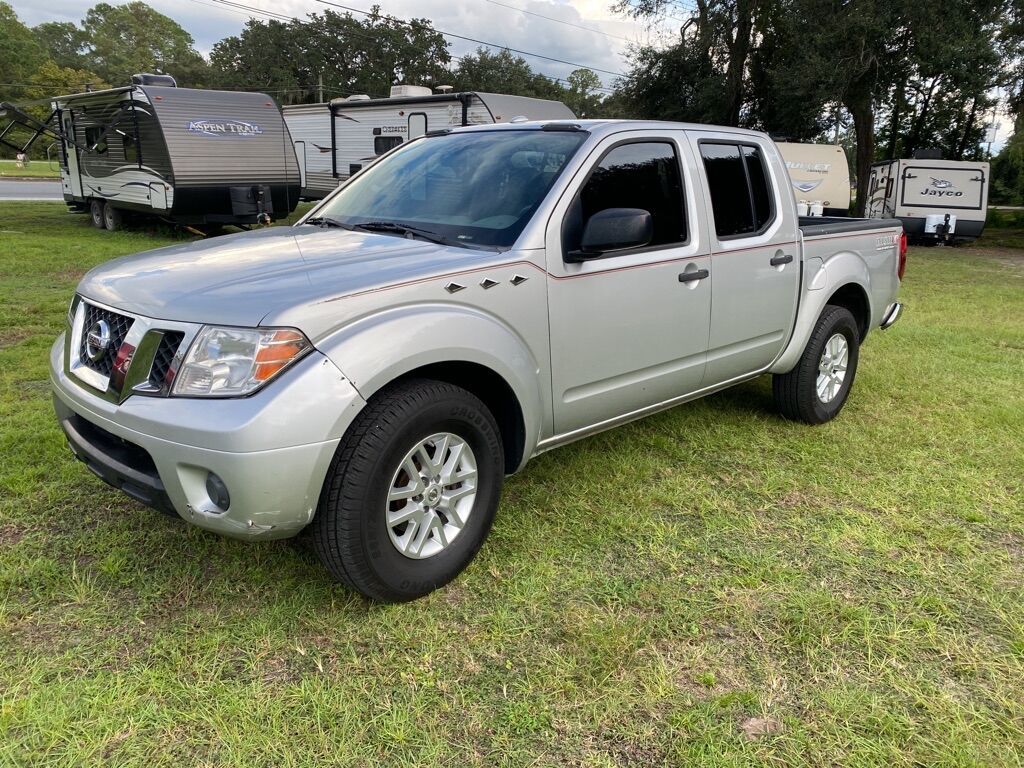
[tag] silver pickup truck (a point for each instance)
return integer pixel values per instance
(474, 298)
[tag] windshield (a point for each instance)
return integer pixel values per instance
(470, 189)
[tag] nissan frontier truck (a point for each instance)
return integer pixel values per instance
(476, 297)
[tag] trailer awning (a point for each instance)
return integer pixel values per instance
(17, 118)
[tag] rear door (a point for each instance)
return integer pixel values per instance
(629, 329)
(755, 252)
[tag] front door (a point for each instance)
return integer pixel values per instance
(72, 181)
(628, 329)
(756, 253)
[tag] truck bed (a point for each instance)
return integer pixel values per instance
(818, 226)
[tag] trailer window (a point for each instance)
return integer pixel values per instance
(382, 144)
(131, 149)
(94, 138)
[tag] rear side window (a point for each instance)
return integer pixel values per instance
(639, 175)
(738, 183)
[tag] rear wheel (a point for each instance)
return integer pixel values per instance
(816, 389)
(113, 218)
(96, 213)
(412, 491)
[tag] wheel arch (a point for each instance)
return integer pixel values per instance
(477, 352)
(854, 298)
(493, 391)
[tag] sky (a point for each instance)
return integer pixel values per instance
(492, 21)
(589, 33)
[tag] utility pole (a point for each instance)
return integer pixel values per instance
(320, 89)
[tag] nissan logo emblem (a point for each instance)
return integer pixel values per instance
(97, 340)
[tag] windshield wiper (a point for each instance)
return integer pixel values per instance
(327, 221)
(406, 230)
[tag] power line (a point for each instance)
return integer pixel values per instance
(478, 42)
(274, 15)
(560, 21)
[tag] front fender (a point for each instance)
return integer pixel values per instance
(379, 348)
(843, 268)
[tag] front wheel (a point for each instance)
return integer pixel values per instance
(412, 491)
(816, 389)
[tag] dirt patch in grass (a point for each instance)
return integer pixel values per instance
(10, 337)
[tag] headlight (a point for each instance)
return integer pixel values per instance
(224, 362)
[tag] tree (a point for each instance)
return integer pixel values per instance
(503, 72)
(131, 38)
(350, 56)
(580, 96)
(62, 42)
(19, 53)
(1008, 170)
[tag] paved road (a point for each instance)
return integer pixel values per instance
(30, 190)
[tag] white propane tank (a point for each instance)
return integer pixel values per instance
(801, 207)
(817, 209)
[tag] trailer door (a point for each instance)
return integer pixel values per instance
(300, 156)
(70, 176)
(417, 125)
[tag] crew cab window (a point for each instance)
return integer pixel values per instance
(739, 188)
(638, 175)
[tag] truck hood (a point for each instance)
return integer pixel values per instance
(240, 279)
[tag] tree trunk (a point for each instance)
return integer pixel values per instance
(739, 50)
(894, 125)
(968, 127)
(863, 114)
(918, 126)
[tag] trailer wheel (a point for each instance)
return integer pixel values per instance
(113, 219)
(96, 213)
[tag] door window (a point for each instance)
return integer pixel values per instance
(741, 199)
(641, 175)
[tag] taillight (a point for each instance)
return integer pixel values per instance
(903, 256)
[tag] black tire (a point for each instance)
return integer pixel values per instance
(113, 218)
(96, 213)
(796, 392)
(350, 534)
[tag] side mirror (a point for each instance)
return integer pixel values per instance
(614, 229)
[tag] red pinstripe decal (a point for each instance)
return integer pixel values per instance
(448, 275)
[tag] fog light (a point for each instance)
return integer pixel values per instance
(218, 492)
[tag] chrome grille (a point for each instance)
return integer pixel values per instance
(118, 326)
(163, 358)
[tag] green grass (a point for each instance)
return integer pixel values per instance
(37, 169)
(711, 586)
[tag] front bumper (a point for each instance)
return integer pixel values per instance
(272, 449)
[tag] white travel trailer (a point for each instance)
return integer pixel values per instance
(819, 173)
(336, 139)
(937, 200)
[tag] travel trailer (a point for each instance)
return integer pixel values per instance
(820, 176)
(334, 140)
(195, 157)
(937, 200)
